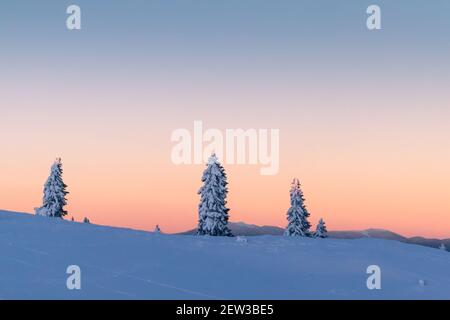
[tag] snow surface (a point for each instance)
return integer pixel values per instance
(127, 264)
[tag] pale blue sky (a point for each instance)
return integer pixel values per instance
(363, 115)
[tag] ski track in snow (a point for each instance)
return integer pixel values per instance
(25, 263)
(115, 274)
(35, 251)
(125, 274)
(165, 285)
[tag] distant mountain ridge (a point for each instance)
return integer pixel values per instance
(245, 229)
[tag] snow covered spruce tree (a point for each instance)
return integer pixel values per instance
(297, 214)
(321, 230)
(55, 193)
(212, 210)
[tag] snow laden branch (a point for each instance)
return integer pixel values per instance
(55, 193)
(297, 214)
(212, 210)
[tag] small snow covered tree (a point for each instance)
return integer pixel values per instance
(157, 229)
(86, 220)
(55, 193)
(297, 214)
(321, 230)
(442, 247)
(212, 210)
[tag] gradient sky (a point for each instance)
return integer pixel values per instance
(364, 116)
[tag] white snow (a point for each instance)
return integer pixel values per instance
(127, 264)
(241, 239)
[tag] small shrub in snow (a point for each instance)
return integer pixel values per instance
(422, 282)
(321, 230)
(241, 239)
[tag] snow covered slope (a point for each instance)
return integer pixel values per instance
(126, 264)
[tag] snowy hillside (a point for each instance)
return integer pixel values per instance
(126, 264)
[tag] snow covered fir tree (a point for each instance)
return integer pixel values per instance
(55, 193)
(212, 210)
(321, 230)
(157, 229)
(297, 214)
